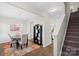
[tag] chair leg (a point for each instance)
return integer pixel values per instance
(21, 47)
(26, 45)
(11, 45)
(17, 45)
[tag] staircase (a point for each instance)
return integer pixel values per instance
(71, 43)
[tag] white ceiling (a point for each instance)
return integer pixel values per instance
(74, 6)
(30, 10)
(43, 6)
(10, 11)
(39, 7)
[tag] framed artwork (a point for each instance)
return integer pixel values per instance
(14, 27)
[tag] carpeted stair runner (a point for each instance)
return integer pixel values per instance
(71, 43)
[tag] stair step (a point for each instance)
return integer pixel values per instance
(64, 54)
(74, 21)
(73, 27)
(73, 24)
(69, 50)
(72, 41)
(77, 37)
(73, 44)
(70, 23)
(72, 30)
(72, 38)
(72, 33)
(66, 46)
(74, 18)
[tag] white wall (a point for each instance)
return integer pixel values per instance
(46, 31)
(5, 28)
(36, 21)
(74, 6)
(55, 21)
(51, 19)
(58, 36)
(48, 23)
(60, 29)
(65, 23)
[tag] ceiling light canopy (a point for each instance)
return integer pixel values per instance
(52, 10)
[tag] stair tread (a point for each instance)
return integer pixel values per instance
(73, 44)
(72, 30)
(73, 26)
(73, 36)
(72, 41)
(71, 47)
(70, 51)
(72, 33)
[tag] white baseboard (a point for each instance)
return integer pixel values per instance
(61, 46)
(45, 45)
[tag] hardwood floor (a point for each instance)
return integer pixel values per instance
(43, 51)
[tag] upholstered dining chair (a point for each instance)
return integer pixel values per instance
(13, 42)
(24, 41)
